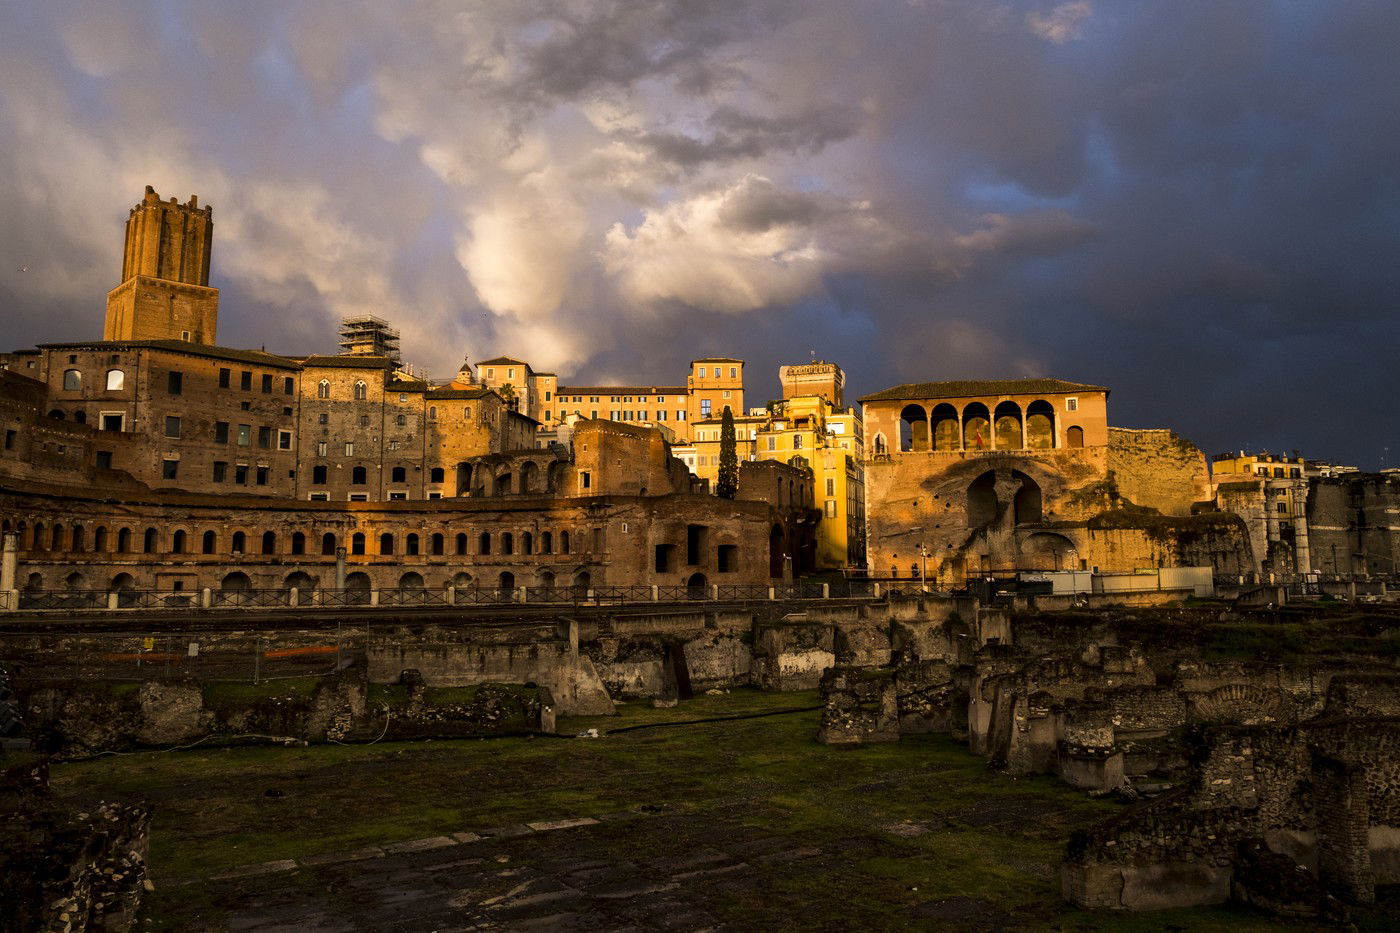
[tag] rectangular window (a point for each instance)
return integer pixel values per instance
(221, 432)
(267, 383)
(224, 378)
(245, 435)
(546, 414)
(830, 508)
(733, 372)
(660, 416)
(262, 476)
(172, 426)
(288, 385)
(359, 497)
(830, 486)
(321, 449)
(1071, 404)
(113, 421)
(396, 496)
(726, 393)
(546, 396)
(220, 471)
(169, 469)
(240, 474)
(593, 413)
(772, 442)
(797, 442)
(680, 416)
(586, 480)
(245, 381)
(175, 382)
(323, 418)
(284, 440)
(318, 475)
(320, 497)
(104, 459)
(364, 421)
(349, 448)
(264, 436)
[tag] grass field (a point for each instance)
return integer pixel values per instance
(900, 824)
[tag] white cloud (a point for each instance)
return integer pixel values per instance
(1063, 23)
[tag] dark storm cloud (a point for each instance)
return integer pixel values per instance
(1195, 203)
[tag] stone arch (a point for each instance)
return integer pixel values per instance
(1074, 436)
(269, 542)
(1040, 425)
(527, 543)
(462, 580)
(74, 581)
(411, 544)
(1244, 704)
(328, 543)
(437, 544)
(177, 541)
(123, 582)
(976, 427)
(1027, 506)
(460, 543)
(357, 543)
(546, 542)
(56, 538)
(982, 500)
(75, 540)
(236, 582)
(99, 539)
(503, 483)
(298, 542)
(299, 580)
(209, 543)
(1045, 550)
(464, 479)
(123, 540)
(695, 586)
(148, 541)
(545, 578)
(913, 428)
(582, 581)
(507, 543)
(239, 543)
(386, 543)
(1007, 427)
(554, 477)
(563, 542)
(881, 445)
(944, 426)
(357, 587)
(484, 543)
(506, 581)
(411, 581)
(529, 476)
(34, 582)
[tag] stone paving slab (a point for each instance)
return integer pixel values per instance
(562, 824)
(421, 845)
(338, 858)
(261, 868)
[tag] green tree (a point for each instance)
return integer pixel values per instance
(728, 483)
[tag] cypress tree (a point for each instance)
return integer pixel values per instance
(728, 483)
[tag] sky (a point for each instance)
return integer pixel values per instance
(1194, 203)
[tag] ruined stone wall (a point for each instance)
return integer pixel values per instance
(1354, 523)
(1157, 469)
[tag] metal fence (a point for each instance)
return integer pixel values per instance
(205, 657)
(133, 599)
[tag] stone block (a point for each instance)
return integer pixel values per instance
(859, 705)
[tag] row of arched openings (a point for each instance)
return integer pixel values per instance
(975, 428)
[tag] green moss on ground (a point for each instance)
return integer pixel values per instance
(975, 832)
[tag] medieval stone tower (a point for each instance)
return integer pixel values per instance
(165, 293)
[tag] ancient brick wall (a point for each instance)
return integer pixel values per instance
(1156, 469)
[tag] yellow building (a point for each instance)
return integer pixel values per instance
(808, 426)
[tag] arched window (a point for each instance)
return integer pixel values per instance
(76, 544)
(116, 379)
(485, 543)
(210, 543)
(80, 417)
(563, 542)
(438, 544)
(1074, 437)
(546, 543)
(410, 544)
(399, 475)
(1026, 506)
(432, 412)
(298, 543)
(507, 543)
(239, 543)
(467, 412)
(1008, 427)
(72, 380)
(460, 543)
(946, 435)
(982, 500)
(99, 540)
(357, 543)
(437, 475)
(913, 428)
(123, 540)
(37, 538)
(328, 544)
(177, 542)
(527, 543)
(1040, 425)
(269, 542)
(148, 544)
(358, 476)
(323, 389)
(56, 538)
(977, 428)
(386, 543)
(361, 391)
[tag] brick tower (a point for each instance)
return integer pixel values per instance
(165, 293)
